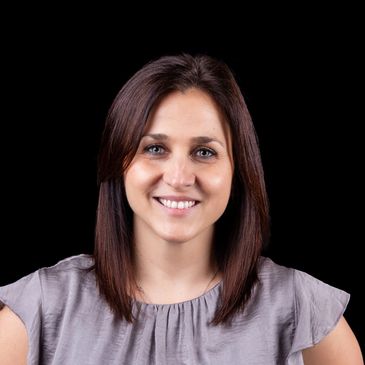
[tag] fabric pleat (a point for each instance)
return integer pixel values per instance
(69, 323)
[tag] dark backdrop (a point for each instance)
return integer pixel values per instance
(300, 81)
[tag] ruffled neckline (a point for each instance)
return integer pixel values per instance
(213, 291)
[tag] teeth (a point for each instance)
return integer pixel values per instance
(177, 205)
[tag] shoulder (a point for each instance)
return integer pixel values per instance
(304, 289)
(274, 294)
(71, 266)
(48, 285)
(315, 307)
(280, 277)
(63, 280)
(67, 271)
(41, 298)
(72, 263)
(270, 269)
(274, 277)
(312, 307)
(64, 269)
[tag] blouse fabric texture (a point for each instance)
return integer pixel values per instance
(68, 322)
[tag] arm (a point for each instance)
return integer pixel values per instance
(339, 347)
(13, 339)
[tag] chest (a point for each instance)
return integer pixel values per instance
(177, 338)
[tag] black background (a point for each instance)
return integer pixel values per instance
(300, 75)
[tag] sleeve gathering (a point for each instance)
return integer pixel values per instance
(317, 309)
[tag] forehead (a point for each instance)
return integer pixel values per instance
(187, 112)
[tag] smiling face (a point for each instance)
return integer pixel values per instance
(179, 182)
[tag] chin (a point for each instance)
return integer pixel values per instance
(174, 233)
(175, 239)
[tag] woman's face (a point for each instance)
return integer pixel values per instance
(179, 181)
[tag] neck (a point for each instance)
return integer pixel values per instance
(173, 271)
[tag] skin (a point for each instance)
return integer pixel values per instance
(173, 260)
(13, 339)
(174, 251)
(339, 347)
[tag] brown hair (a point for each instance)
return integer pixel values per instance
(244, 226)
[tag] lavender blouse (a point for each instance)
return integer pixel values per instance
(69, 323)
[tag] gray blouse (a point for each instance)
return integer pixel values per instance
(69, 323)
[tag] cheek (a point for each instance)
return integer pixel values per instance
(219, 184)
(139, 176)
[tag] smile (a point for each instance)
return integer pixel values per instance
(172, 204)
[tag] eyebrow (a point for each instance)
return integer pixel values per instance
(199, 139)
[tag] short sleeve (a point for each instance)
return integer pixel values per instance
(23, 297)
(317, 307)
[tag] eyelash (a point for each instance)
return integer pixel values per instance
(206, 149)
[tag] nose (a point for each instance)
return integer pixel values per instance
(179, 172)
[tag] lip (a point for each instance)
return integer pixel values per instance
(176, 198)
(176, 212)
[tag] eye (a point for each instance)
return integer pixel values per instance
(205, 153)
(154, 149)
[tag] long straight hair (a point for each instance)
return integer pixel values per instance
(240, 232)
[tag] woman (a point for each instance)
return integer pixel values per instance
(177, 276)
